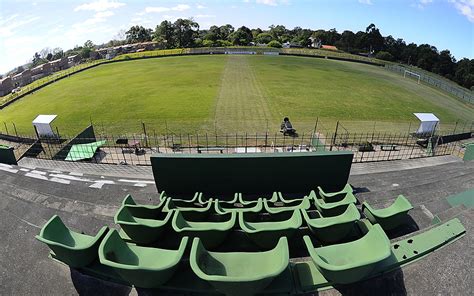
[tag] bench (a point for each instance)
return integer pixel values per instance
(211, 149)
(388, 147)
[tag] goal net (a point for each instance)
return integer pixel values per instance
(412, 75)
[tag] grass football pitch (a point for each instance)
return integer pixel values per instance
(233, 93)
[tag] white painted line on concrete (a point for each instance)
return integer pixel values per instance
(137, 181)
(62, 181)
(36, 176)
(6, 165)
(76, 174)
(55, 172)
(24, 170)
(139, 185)
(99, 184)
(6, 169)
(38, 172)
(72, 178)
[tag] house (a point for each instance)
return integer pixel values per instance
(315, 42)
(59, 64)
(40, 71)
(73, 60)
(6, 86)
(22, 79)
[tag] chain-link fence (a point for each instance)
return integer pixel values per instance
(430, 78)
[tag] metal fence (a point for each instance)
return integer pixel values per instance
(431, 79)
(136, 149)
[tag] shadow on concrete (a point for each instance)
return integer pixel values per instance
(391, 283)
(86, 285)
(408, 227)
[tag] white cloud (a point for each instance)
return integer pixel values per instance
(205, 16)
(368, 2)
(159, 9)
(104, 14)
(100, 5)
(9, 26)
(268, 2)
(465, 7)
(200, 6)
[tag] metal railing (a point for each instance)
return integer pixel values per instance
(136, 149)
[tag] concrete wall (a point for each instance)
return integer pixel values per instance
(252, 173)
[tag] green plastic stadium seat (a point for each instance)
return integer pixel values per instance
(335, 196)
(222, 208)
(197, 212)
(351, 262)
(333, 229)
(244, 202)
(390, 217)
(288, 200)
(328, 209)
(140, 266)
(239, 273)
(130, 202)
(212, 234)
(304, 204)
(75, 249)
(232, 201)
(193, 200)
(267, 234)
(143, 225)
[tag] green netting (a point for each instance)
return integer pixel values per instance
(83, 151)
(4, 147)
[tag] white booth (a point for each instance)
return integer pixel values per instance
(42, 124)
(429, 123)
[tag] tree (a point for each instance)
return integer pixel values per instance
(37, 60)
(213, 34)
(263, 38)
(138, 34)
(89, 44)
(347, 41)
(446, 63)
(279, 33)
(186, 31)
(164, 33)
(226, 31)
(243, 36)
(57, 53)
(374, 38)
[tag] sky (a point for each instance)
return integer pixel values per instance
(27, 27)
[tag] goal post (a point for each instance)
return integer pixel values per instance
(412, 74)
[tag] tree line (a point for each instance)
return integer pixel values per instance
(187, 33)
(184, 33)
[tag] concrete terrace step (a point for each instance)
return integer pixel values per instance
(451, 213)
(397, 165)
(380, 181)
(122, 171)
(419, 193)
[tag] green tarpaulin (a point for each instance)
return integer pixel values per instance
(83, 151)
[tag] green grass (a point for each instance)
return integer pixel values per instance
(195, 94)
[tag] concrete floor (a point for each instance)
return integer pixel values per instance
(30, 196)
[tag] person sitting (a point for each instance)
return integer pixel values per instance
(286, 127)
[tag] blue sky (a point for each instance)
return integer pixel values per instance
(29, 26)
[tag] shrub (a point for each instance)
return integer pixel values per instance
(383, 55)
(274, 43)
